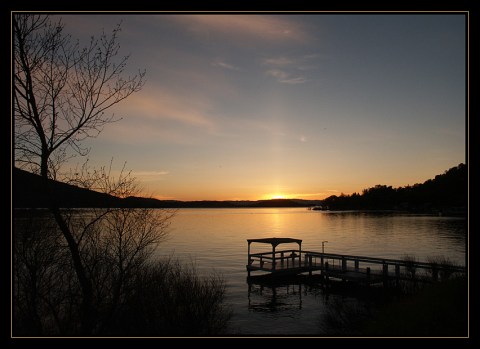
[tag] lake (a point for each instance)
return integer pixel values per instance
(216, 240)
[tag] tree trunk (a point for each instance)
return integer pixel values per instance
(87, 309)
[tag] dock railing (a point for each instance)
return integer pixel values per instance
(270, 261)
(398, 268)
(338, 264)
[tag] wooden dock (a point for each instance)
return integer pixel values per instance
(360, 269)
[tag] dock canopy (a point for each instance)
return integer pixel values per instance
(275, 241)
(272, 256)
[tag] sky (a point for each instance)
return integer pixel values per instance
(248, 107)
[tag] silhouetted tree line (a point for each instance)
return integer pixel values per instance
(447, 192)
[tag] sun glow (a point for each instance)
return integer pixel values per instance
(274, 196)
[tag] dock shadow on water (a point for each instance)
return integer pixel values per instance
(281, 307)
(274, 296)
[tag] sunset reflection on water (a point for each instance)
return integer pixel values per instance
(216, 240)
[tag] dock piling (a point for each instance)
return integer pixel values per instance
(327, 278)
(385, 274)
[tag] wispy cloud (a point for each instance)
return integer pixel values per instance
(150, 173)
(285, 69)
(161, 104)
(284, 77)
(302, 62)
(278, 74)
(278, 61)
(149, 177)
(139, 130)
(255, 27)
(224, 65)
(294, 81)
(160, 115)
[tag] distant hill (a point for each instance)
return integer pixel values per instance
(28, 192)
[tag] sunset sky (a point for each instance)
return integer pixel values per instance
(247, 107)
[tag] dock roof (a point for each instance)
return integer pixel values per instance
(275, 241)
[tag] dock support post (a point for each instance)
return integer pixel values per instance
(344, 264)
(299, 254)
(281, 256)
(385, 274)
(397, 274)
(356, 265)
(273, 258)
(368, 276)
(327, 279)
(310, 264)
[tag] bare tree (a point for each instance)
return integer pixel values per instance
(61, 91)
(85, 272)
(61, 94)
(114, 244)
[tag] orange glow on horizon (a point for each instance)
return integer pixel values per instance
(207, 196)
(236, 195)
(273, 196)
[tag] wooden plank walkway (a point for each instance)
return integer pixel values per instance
(360, 269)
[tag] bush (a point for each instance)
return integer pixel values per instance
(133, 295)
(170, 299)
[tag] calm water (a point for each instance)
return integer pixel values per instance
(215, 239)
